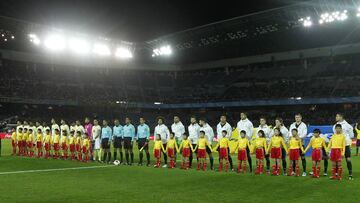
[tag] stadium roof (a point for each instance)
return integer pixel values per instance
(262, 32)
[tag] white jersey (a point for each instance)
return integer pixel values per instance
(348, 131)
(46, 128)
(220, 128)
(63, 128)
(17, 128)
(72, 128)
(178, 129)
(40, 127)
(285, 133)
(302, 129)
(80, 128)
(163, 131)
(194, 132)
(53, 128)
(96, 136)
(267, 132)
(247, 126)
(209, 132)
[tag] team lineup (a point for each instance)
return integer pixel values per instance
(93, 142)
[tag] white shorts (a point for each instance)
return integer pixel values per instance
(97, 143)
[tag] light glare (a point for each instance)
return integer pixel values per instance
(101, 50)
(123, 53)
(55, 42)
(79, 46)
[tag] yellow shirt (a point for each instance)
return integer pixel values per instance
(357, 133)
(86, 143)
(25, 137)
(171, 144)
(295, 143)
(19, 136)
(64, 140)
(72, 140)
(30, 138)
(56, 139)
(158, 145)
(277, 141)
(337, 141)
(222, 143)
(78, 140)
(242, 143)
(13, 136)
(185, 144)
(260, 142)
(39, 137)
(316, 143)
(202, 143)
(47, 138)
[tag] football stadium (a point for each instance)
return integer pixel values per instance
(175, 101)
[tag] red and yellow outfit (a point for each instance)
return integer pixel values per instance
(19, 142)
(39, 144)
(78, 142)
(186, 146)
(224, 145)
(64, 146)
(316, 143)
(275, 145)
(13, 143)
(171, 146)
(30, 143)
(85, 148)
(47, 141)
(56, 142)
(260, 147)
(72, 147)
(23, 143)
(201, 147)
(158, 146)
(295, 146)
(241, 146)
(337, 146)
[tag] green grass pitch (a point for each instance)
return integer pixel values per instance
(40, 183)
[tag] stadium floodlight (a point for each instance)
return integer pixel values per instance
(123, 53)
(101, 49)
(334, 16)
(55, 42)
(307, 22)
(34, 39)
(157, 103)
(79, 46)
(162, 51)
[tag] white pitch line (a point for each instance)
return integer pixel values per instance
(54, 169)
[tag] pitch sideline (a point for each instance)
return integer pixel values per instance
(54, 169)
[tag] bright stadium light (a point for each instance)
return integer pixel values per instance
(34, 39)
(79, 46)
(334, 16)
(55, 42)
(162, 51)
(157, 103)
(307, 22)
(123, 53)
(101, 49)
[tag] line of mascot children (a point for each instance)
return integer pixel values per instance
(79, 146)
(73, 146)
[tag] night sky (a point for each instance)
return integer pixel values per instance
(131, 20)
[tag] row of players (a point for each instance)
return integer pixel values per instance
(123, 136)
